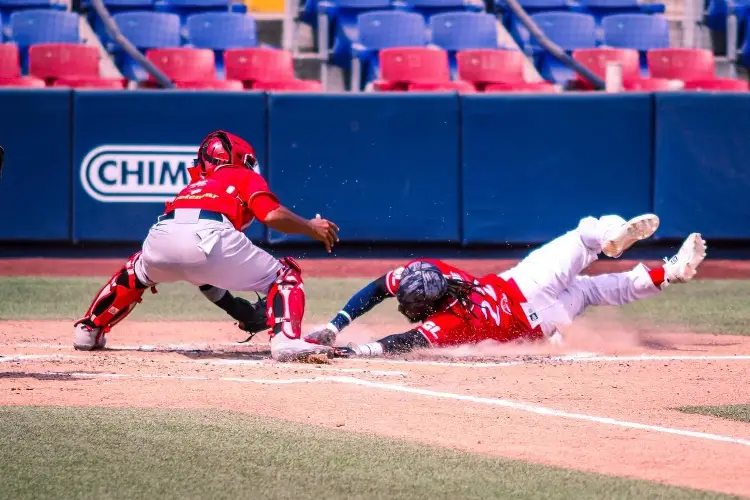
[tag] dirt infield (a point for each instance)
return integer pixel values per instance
(609, 409)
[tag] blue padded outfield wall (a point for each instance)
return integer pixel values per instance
(394, 168)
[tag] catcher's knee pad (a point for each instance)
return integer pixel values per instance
(286, 301)
(117, 298)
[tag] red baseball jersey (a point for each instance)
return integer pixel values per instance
(237, 192)
(495, 311)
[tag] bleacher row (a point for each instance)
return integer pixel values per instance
(414, 45)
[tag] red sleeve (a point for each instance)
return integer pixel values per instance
(262, 204)
(392, 279)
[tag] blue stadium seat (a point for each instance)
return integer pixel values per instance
(7, 7)
(429, 8)
(185, 8)
(384, 29)
(28, 27)
(463, 30)
(145, 30)
(516, 28)
(636, 31)
(570, 31)
(114, 7)
(220, 31)
(601, 8)
(342, 23)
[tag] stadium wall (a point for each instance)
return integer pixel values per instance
(398, 168)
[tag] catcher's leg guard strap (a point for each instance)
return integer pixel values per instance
(286, 301)
(117, 298)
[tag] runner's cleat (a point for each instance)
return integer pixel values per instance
(682, 267)
(619, 239)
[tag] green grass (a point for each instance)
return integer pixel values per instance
(134, 453)
(702, 306)
(740, 413)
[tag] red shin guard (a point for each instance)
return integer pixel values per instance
(286, 301)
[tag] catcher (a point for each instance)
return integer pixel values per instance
(530, 301)
(200, 239)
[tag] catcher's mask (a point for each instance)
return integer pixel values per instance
(2, 159)
(420, 291)
(221, 148)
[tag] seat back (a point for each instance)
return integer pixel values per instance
(681, 63)
(221, 30)
(414, 65)
(636, 31)
(184, 64)
(569, 30)
(150, 30)
(491, 66)
(61, 60)
(29, 27)
(464, 30)
(252, 65)
(595, 60)
(383, 29)
(10, 62)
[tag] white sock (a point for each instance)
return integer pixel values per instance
(372, 349)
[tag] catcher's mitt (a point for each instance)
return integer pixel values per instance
(250, 316)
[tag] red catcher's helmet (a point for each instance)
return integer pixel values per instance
(222, 148)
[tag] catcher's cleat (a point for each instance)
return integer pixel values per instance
(88, 338)
(617, 240)
(285, 349)
(682, 267)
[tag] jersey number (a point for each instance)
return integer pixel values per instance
(494, 312)
(431, 327)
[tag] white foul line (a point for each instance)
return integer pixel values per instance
(505, 403)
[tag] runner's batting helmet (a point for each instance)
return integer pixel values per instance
(420, 290)
(221, 148)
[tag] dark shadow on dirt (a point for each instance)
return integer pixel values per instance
(64, 376)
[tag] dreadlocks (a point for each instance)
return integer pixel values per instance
(461, 291)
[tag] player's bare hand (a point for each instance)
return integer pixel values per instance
(325, 231)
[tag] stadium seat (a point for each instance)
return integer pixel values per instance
(29, 27)
(290, 86)
(10, 61)
(401, 66)
(145, 30)
(91, 83)
(529, 87)
(595, 60)
(517, 29)
(220, 31)
(570, 31)
(185, 8)
(486, 66)
(343, 28)
(649, 85)
(429, 8)
(384, 29)
(602, 8)
(51, 61)
(258, 65)
(211, 85)
(636, 31)
(7, 7)
(717, 84)
(463, 30)
(113, 7)
(184, 64)
(681, 64)
(457, 86)
(22, 81)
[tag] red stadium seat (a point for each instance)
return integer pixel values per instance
(211, 85)
(649, 85)
(717, 84)
(457, 86)
(22, 81)
(486, 66)
(184, 64)
(535, 87)
(681, 64)
(290, 86)
(596, 61)
(10, 63)
(91, 83)
(414, 65)
(50, 61)
(258, 65)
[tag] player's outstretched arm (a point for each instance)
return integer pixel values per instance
(360, 303)
(284, 220)
(400, 343)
